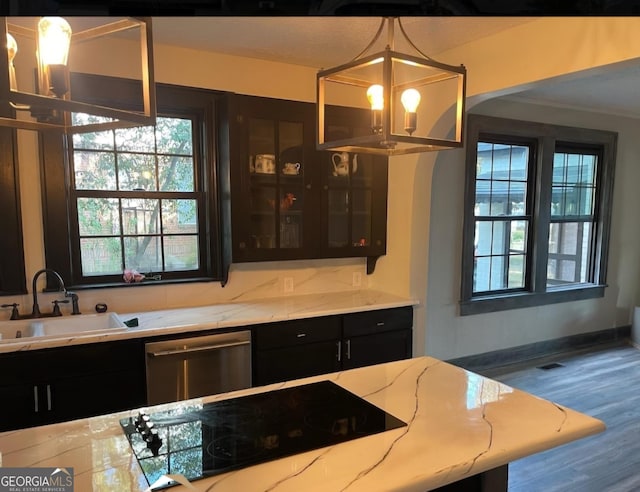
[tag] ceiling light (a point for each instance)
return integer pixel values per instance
(415, 104)
(52, 50)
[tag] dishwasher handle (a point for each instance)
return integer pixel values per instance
(204, 348)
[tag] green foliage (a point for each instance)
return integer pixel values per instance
(142, 159)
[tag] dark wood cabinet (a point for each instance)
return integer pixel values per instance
(289, 201)
(299, 348)
(366, 350)
(12, 270)
(59, 384)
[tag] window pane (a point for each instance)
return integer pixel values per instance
(143, 253)
(94, 170)
(482, 270)
(174, 136)
(93, 140)
(140, 216)
(98, 216)
(179, 216)
(519, 229)
(573, 184)
(516, 271)
(181, 253)
(101, 256)
(501, 179)
(569, 253)
(137, 172)
(500, 254)
(499, 243)
(140, 139)
(484, 233)
(498, 266)
(588, 169)
(176, 173)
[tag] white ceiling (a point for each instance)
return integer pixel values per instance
(319, 42)
(323, 42)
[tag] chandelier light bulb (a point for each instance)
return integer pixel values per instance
(12, 49)
(410, 100)
(54, 38)
(375, 95)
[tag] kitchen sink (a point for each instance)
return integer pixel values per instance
(63, 326)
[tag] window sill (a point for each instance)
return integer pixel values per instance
(108, 285)
(504, 302)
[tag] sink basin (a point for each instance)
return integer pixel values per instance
(63, 326)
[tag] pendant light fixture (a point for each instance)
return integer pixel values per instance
(409, 103)
(45, 46)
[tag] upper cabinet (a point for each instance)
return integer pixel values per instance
(289, 201)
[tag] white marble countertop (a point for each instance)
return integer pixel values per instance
(459, 424)
(222, 315)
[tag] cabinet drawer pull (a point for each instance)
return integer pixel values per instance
(35, 398)
(348, 349)
(301, 335)
(48, 397)
(339, 354)
(380, 323)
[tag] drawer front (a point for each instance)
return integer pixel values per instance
(369, 322)
(296, 332)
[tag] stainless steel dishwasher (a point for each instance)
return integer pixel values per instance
(197, 366)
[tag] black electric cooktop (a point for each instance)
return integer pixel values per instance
(199, 441)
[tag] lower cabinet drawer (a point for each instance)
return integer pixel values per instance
(370, 322)
(287, 363)
(297, 332)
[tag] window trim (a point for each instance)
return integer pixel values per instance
(55, 151)
(548, 136)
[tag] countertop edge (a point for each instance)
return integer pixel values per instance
(224, 315)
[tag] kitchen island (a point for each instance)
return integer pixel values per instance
(459, 425)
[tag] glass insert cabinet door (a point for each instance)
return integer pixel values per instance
(276, 170)
(350, 191)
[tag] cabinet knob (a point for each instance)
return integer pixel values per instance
(308, 186)
(154, 443)
(325, 187)
(242, 245)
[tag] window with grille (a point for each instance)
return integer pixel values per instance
(135, 199)
(502, 212)
(141, 198)
(537, 213)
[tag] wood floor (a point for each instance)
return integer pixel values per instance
(604, 384)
